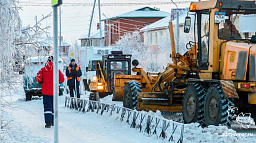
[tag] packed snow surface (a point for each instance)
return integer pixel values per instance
(23, 121)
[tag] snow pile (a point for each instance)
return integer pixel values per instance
(194, 132)
(108, 99)
(220, 134)
(149, 123)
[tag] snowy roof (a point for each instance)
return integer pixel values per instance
(164, 23)
(64, 44)
(95, 34)
(145, 12)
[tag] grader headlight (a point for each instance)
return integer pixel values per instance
(94, 78)
(100, 87)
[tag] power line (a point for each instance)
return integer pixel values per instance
(103, 4)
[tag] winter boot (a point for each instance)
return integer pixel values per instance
(52, 123)
(48, 125)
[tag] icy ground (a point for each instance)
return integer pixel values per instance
(24, 122)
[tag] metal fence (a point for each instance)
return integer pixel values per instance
(143, 121)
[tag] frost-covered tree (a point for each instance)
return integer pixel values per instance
(165, 49)
(9, 30)
(35, 40)
(10, 25)
(132, 43)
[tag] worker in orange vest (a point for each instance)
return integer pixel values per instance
(73, 74)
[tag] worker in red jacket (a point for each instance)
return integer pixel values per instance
(45, 75)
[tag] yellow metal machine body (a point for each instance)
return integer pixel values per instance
(230, 57)
(222, 57)
(111, 68)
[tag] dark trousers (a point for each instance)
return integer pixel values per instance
(72, 89)
(48, 108)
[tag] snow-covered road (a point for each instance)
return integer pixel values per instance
(23, 121)
(26, 124)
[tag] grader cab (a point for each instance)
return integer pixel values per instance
(214, 76)
(113, 65)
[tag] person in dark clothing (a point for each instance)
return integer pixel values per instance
(45, 75)
(225, 32)
(73, 74)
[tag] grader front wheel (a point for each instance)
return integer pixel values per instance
(130, 94)
(193, 103)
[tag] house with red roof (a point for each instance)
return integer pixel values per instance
(117, 26)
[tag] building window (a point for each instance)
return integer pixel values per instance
(156, 38)
(161, 35)
(114, 28)
(117, 28)
(90, 43)
(150, 38)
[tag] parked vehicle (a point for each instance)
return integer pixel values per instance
(32, 66)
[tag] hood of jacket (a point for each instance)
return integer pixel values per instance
(49, 65)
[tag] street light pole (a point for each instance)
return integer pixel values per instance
(89, 34)
(55, 4)
(107, 30)
(100, 24)
(55, 71)
(60, 33)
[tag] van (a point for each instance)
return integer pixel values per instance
(32, 67)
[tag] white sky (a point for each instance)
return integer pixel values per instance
(76, 19)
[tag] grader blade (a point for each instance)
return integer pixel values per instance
(156, 101)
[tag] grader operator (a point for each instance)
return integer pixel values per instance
(216, 74)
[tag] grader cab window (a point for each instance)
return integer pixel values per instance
(239, 24)
(203, 39)
(92, 65)
(118, 67)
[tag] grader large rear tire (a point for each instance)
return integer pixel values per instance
(130, 94)
(192, 108)
(217, 108)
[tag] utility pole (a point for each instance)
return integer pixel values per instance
(37, 36)
(90, 27)
(89, 34)
(56, 73)
(60, 33)
(100, 24)
(108, 30)
(55, 4)
(109, 33)
(178, 31)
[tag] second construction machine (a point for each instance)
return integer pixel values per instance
(215, 75)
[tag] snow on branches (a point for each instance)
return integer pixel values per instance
(132, 43)
(10, 26)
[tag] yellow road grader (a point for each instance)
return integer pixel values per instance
(215, 75)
